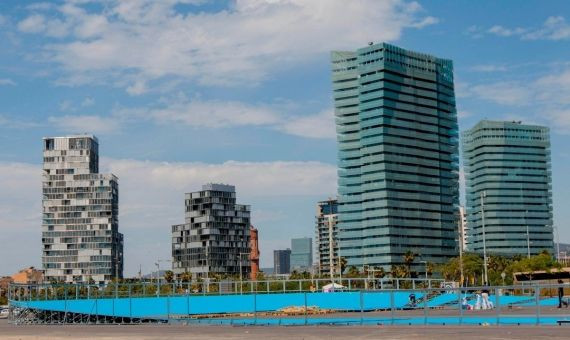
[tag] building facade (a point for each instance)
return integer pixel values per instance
(398, 156)
(508, 178)
(326, 237)
(215, 238)
(302, 254)
(282, 261)
(80, 224)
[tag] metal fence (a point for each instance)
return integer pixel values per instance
(178, 303)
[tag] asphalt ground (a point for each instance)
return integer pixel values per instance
(24, 332)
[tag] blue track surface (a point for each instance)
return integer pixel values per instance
(167, 307)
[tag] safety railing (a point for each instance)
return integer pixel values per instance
(513, 305)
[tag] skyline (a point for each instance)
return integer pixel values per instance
(263, 102)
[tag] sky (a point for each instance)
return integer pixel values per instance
(186, 92)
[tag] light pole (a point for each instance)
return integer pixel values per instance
(557, 243)
(483, 195)
(240, 272)
(527, 235)
(461, 237)
(157, 263)
(426, 266)
(331, 244)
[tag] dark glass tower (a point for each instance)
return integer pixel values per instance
(398, 156)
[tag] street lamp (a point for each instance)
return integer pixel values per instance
(461, 238)
(557, 242)
(527, 235)
(483, 195)
(240, 272)
(157, 263)
(503, 275)
(426, 266)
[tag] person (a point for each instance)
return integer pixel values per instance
(412, 300)
(485, 298)
(561, 295)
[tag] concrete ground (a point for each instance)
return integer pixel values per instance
(8, 331)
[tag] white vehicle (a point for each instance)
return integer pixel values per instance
(4, 313)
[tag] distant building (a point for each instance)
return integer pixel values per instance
(215, 236)
(301, 254)
(28, 276)
(80, 223)
(508, 182)
(254, 255)
(397, 133)
(282, 261)
(326, 234)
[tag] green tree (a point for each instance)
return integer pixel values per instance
(343, 263)
(185, 277)
(409, 258)
(169, 276)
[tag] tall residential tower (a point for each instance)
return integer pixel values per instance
(508, 182)
(80, 224)
(398, 156)
(216, 236)
(326, 234)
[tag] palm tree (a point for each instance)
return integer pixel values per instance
(342, 262)
(169, 276)
(185, 277)
(409, 258)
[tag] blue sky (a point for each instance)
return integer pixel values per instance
(181, 93)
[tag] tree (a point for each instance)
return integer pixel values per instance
(409, 258)
(380, 272)
(353, 272)
(185, 277)
(169, 276)
(399, 271)
(343, 263)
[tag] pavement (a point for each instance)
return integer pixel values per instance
(25, 332)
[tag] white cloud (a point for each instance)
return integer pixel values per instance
(84, 124)
(138, 88)
(489, 68)
(505, 32)
(152, 199)
(7, 81)
(320, 125)
(505, 93)
(33, 24)
(236, 46)
(553, 28)
(66, 105)
(226, 114)
(88, 101)
(215, 114)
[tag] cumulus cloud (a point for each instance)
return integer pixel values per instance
(152, 199)
(257, 37)
(227, 114)
(319, 125)
(85, 123)
(7, 81)
(553, 28)
(547, 97)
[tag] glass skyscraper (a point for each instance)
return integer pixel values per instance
(301, 254)
(507, 168)
(398, 156)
